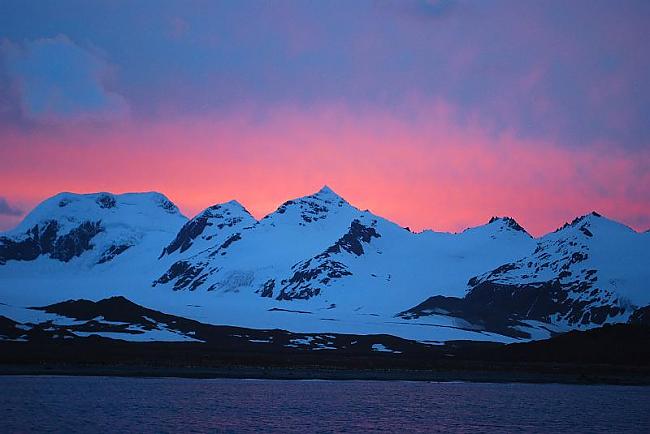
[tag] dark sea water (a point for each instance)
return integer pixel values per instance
(104, 404)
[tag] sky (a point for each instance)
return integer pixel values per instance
(432, 113)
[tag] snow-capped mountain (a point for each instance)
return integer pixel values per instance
(589, 272)
(211, 227)
(318, 264)
(92, 228)
(249, 253)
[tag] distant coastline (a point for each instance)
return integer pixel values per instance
(587, 376)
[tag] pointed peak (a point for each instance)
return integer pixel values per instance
(325, 190)
(326, 193)
(497, 219)
(224, 205)
(593, 222)
(313, 207)
(581, 219)
(234, 203)
(210, 226)
(587, 216)
(217, 210)
(509, 222)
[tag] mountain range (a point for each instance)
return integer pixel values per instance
(317, 264)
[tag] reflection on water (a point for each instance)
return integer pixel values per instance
(101, 404)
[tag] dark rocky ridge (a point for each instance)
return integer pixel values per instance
(576, 221)
(554, 285)
(120, 315)
(311, 208)
(641, 316)
(352, 240)
(219, 216)
(184, 275)
(38, 240)
(510, 223)
(618, 354)
(310, 276)
(113, 251)
(105, 201)
(44, 239)
(307, 279)
(502, 309)
(186, 236)
(221, 250)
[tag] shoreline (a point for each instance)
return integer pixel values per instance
(328, 374)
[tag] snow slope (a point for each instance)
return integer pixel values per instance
(318, 264)
(92, 229)
(589, 272)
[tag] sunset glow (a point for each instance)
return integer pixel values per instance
(431, 128)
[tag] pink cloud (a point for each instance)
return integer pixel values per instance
(422, 171)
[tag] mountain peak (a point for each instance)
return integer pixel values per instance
(135, 208)
(96, 226)
(508, 222)
(593, 222)
(314, 207)
(580, 219)
(234, 203)
(211, 227)
(327, 194)
(325, 190)
(232, 206)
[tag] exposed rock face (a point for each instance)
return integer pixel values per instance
(312, 208)
(186, 236)
(227, 243)
(504, 308)
(45, 240)
(213, 224)
(226, 225)
(112, 252)
(105, 201)
(99, 323)
(167, 205)
(184, 275)
(191, 275)
(509, 222)
(320, 254)
(75, 242)
(40, 239)
(308, 279)
(267, 288)
(557, 284)
(68, 225)
(310, 276)
(352, 241)
(641, 316)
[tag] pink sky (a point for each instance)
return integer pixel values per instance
(434, 114)
(426, 171)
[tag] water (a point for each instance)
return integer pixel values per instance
(104, 404)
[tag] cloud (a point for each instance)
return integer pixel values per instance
(571, 70)
(422, 171)
(58, 80)
(7, 210)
